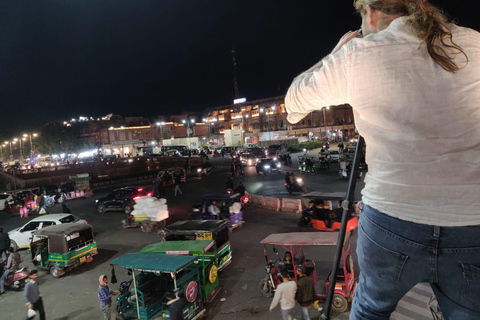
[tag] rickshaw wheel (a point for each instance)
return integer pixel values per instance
(266, 288)
(340, 303)
(54, 272)
(146, 226)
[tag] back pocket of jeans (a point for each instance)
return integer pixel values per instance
(471, 291)
(382, 262)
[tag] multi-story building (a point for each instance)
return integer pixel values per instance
(263, 119)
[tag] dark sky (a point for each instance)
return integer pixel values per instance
(68, 58)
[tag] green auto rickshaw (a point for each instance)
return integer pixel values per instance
(153, 274)
(216, 230)
(61, 248)
(204, 250)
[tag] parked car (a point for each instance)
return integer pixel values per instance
(267, 165)
(122, 199)
(21, 237)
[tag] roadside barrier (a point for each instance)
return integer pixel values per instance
(291, 205)
(256, 200)
(272, 203)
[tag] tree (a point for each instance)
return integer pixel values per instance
(56, 138)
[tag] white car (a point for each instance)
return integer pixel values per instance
(5, 201)
(334, 155)
(20, 238)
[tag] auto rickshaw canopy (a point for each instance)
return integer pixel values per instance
(302, 239)
(189, 227)
(154, 262)
(179, 247)
(333, 196)
(59, 235)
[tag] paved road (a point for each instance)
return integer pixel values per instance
(73, 296)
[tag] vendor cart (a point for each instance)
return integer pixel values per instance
(78, 186)
(148, 213)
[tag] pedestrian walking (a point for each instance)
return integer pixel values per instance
(285, 294)
(305, 291)
(105, 297)
(41, 203)
(12, 265)
(4, 243)
(419, 222)
(178, 180)
(32, 295)
(22, 208)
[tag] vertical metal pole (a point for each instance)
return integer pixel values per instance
(347, 206)
(136, 294)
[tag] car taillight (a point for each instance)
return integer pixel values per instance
(136, 198)
(139, 189)
(86, 222)
(149, 194)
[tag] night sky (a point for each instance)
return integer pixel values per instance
(70, 58)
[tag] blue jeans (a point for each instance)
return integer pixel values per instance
(394, 255)
(2, 280)
(287, 314)
(305, 314)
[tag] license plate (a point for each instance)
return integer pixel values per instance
(83, 259)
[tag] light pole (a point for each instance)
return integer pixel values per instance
(29, 135)
(324, 119)
(160, 124)
(261, 119)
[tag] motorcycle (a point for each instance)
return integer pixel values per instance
(204, 171)
(17, 280)
(296, 187)
(50, 201)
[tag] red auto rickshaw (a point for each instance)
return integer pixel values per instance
(294, 243)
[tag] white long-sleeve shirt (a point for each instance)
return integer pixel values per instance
(285, 294)
(421, 123)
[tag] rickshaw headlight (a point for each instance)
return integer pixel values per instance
(164, 315)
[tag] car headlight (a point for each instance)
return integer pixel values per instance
(278, 165)
(274, 158)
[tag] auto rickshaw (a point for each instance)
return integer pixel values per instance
(61, 248)
(229, 205)
(294, 243)
(204, 250)
(153, 274)
(168, 175)
(216, 230)
(331, 200)
(307, 164)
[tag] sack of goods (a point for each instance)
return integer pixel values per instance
(155, 209)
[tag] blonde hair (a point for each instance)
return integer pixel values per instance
(427, 22)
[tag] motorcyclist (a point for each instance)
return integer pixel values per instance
(240, 189)
(13, 263)
(309, 163)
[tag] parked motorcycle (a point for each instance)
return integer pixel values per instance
(17, 280)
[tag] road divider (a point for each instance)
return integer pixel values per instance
(291, 205)
(256, 200)
(287, 205)
(272, 203)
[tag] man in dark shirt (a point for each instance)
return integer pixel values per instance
(4, 243)
(175, 306)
